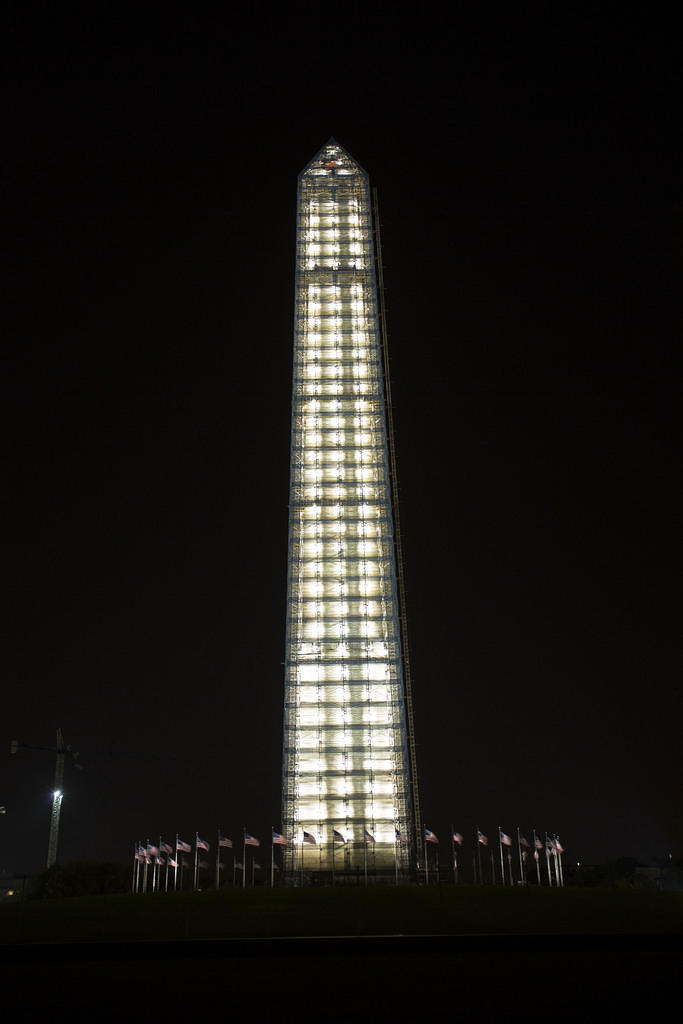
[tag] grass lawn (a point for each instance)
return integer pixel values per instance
(342, 911)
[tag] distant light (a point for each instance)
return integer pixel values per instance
(57, 794)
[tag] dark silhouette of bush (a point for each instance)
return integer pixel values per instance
(81, 878)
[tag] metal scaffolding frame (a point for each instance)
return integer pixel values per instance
(349, 779)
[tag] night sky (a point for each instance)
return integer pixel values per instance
(529, 182)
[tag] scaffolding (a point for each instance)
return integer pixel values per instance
(349, 779)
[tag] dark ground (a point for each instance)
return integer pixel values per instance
(335, 954)
(579, 978)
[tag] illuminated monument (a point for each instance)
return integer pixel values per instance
(350, 800)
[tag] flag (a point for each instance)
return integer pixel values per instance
(172, 863)
(369, 838)
(523, 842)
(279, 839)
(182, 847)
(165, 848)
(505, 838)
(238, 865)
(202, 844)
(251, 840)
(558, 846)
(227, 843)
(159, 860)
(337, 837)
(401, 837)
(257, 867)
(537, 842)
(457, 838)
(430, 837)
(153, 851)
(308, 838)
(481, 838)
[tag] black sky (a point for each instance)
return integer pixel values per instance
(529, 181)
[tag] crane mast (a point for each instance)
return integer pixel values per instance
(61, 750)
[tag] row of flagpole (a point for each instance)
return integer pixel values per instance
(172, 856)
(550, 846)
(167, 855)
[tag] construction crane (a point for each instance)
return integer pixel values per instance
(62, 750)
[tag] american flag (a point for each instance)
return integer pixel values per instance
(401, 837)
(558, 846)
(227, 843)
(308, 838)
(279, 839)
(481, 838)
(182, 847)
(368, 837)
(251, 840)
(430, 837)
(172, 863)
(524, 842)
(152, 851)
(165, 848)
(505, 838)
(202, 844)
(337, 837)
(537, 842)
(457, 838)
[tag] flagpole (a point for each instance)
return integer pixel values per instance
(396, 840)
(175, 869)
(244, 856)
(519, 851)
(167, 866)
(500, 847)
(537, 858)
(453, 851)
(144, 873)
(365, 854)
(426, 846)
(481, 879)
(303, 847)
(333, 858)
(218, 858)
(559, 861)
(272, 857)
(547, 861)
(136, 864)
